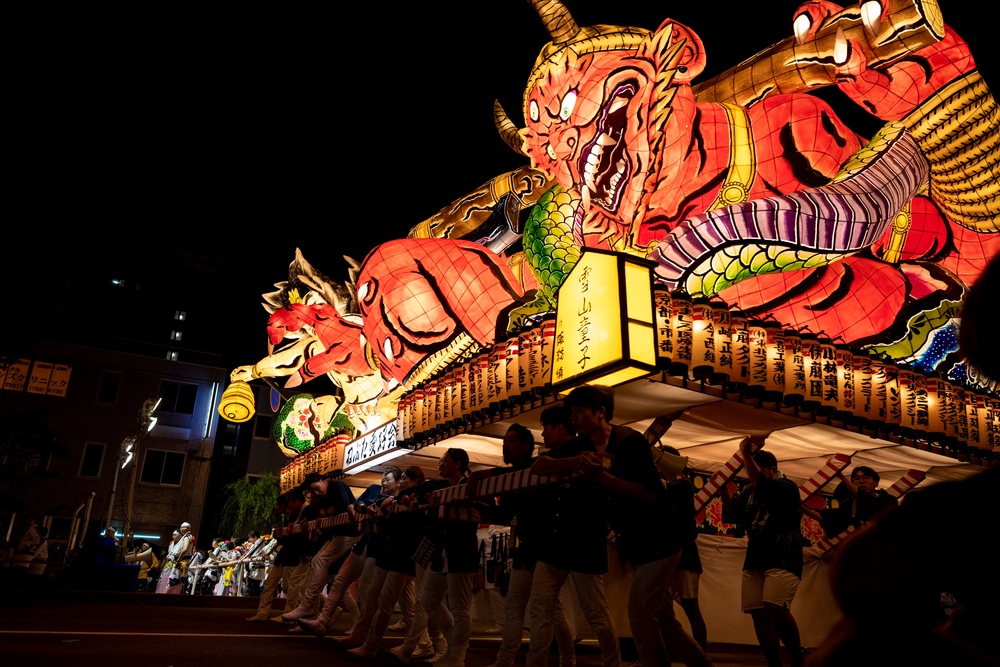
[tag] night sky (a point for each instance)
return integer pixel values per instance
(146, 136)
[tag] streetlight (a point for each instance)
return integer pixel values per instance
(146, 422)
(126, 450)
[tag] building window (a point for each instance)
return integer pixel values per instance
(176, 335)
(93, 456)
(159, 467)
(171, 356)
(178, 397)
(107, 393)
(262, 426)
(180, 315)
(117, 282)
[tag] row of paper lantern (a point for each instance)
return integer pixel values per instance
(325, 458)
(710, 342)
(487, 385)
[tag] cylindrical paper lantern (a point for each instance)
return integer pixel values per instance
(664, 330)
(795, 369)
(236, 404)
(723, 343)
(681, 326)
(703, 360)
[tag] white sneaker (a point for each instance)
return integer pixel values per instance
(399, 626)
(440, 650)
(423, 652)
(495, 629)
(313, 626)
(294, 615)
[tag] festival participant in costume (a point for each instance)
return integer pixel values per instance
(622, 463)
(40, 557)
(517, 511)
(573, 547)
(446, 595)
(769, 510)
(865, 502)
(164, 585)
(333, 497)
(26, 546)
(684, 584)
(350, 570)
(147, 566)
(403, 529)
(287, 556)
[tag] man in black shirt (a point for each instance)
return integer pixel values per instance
(520, 511)
(575, 545)
(650, 531)
(866, 501)
(769, 510)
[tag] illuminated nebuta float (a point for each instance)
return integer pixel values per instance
(745, 189)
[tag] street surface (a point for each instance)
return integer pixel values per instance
(39, 628)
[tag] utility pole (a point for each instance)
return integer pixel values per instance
(125, 453)
(146, 422)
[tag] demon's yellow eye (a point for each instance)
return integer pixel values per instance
(533, 111)
(551, 151)
(568, 103)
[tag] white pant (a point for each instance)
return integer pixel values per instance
(545, 586)
(659, 636)
(515, 605)
(453, 618)
(319, 569)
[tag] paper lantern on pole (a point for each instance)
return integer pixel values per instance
(664, 331)
(723, 343)
(992, 421)
(758, 359)
(893, 413)
(681, 333)
(740, 377)
(936, 407)
(462, 392)
(605, 329)
(845, 384)
(975, 419)
(420, 421)
(546, 353)
(703, 352)
(795, 369)
(863, 408)
(402, 419)
(828, 370)
(237, 403)
(432, 406)
(496, 395)
(524, 366)
(774, 387)
(480, 385)
(813, 358)
(960, 425)
(512, 388)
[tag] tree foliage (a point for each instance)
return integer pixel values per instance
(249, 505)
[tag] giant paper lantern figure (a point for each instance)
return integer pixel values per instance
(428, 302)
(748, 187)
(313, 331)
(302, 424)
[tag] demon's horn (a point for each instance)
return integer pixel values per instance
(557, 19)
(505, 126)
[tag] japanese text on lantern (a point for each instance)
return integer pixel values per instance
(583, 328)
